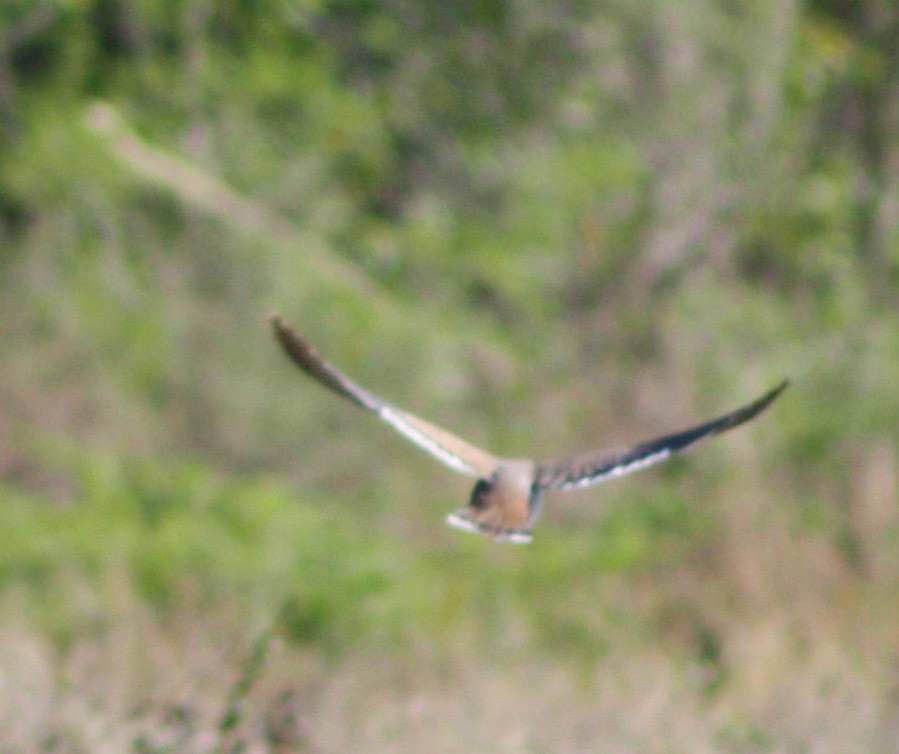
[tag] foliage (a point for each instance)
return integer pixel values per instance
(547, 226)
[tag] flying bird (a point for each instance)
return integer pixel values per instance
(506, 498)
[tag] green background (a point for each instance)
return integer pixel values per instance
(548, 226)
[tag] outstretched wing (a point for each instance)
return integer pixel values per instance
(443, 445)
(592, 468)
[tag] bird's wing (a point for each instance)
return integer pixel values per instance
(592, 468)
(443, 445)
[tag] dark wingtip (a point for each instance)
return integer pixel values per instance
(755, 408)
(282, 330)
(294, 346)
(772, 394)
(288, 337)
(767, 399)
(277, 322)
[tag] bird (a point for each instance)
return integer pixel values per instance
(507, 497)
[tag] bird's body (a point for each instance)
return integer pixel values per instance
(506, 498)
(503, 505)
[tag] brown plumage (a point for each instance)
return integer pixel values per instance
(505, 501)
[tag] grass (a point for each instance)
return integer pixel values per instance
(172, 609)
(147, 689)
(549, 231)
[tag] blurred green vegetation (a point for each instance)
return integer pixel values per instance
(549, 227)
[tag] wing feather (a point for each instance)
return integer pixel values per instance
(444, 446)
(593, 468)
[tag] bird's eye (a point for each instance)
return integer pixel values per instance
(479, 493)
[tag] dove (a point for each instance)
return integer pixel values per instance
(506, 499)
